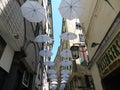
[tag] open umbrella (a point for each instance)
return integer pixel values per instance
(66, 63)
(66, 53)
(54, 82)
(49, 63)
(64, 79)
(65, 76)
(45, 53)
(42, 38)
(71, 9)
(53, 76)
(68, 36)
(51, 71)
(65, 71)
(33, 11)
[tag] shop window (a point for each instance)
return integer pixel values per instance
(2, 45)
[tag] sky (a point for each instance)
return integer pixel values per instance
(57, 25)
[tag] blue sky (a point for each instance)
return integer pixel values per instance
(57, 25)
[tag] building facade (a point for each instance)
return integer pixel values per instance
(102, 29)
(19, 54)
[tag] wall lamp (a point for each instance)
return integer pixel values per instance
(94, 44)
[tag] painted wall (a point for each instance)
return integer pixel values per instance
(7, 58)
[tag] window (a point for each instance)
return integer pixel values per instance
(2, 45)
(82, 38)
(78, 26)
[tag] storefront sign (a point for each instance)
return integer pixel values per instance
(110, 59)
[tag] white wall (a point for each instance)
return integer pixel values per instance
(7, 58)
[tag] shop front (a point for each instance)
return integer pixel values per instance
(109, 65)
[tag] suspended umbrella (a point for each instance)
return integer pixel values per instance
(45, 53)
(49, 63)
(54, 79)
(66, 63)
(71, 9)
(53, 86)
(51, 71)
(65, 76)
(65, 71)
(53, 76)
(66, 53)
(68, 36)
(42, 38)
(63, 81)
(33, 11)
(54, 82)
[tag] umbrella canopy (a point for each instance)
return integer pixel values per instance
(33, 11)
(64, 79)
(65, 76)
(66, 53)
(54, 79)
(54, 82)
(51, 71)
(66, 63)
(71, 9)
(45, 53)
(68, 36)
(49, 63)
(53, 76)
(65, 71)
(42, 38)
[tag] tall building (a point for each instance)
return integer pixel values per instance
(101, 23)
(21, 67)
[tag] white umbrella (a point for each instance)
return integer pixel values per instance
(64, 79)
(65, 71)
(54, 82)
(68, 36)
(49, 63)
(51, 71)
(54, 79)
(71, 9)
(53, 86)
(66, 53)
(65, 76)
(33, 11)
(53, 76)
(66, 63)
(42, 38)
(45, 53)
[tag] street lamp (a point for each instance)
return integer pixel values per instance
(75, 52)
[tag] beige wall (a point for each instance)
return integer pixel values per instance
(101, 21)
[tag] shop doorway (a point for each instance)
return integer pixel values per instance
(112, 81)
